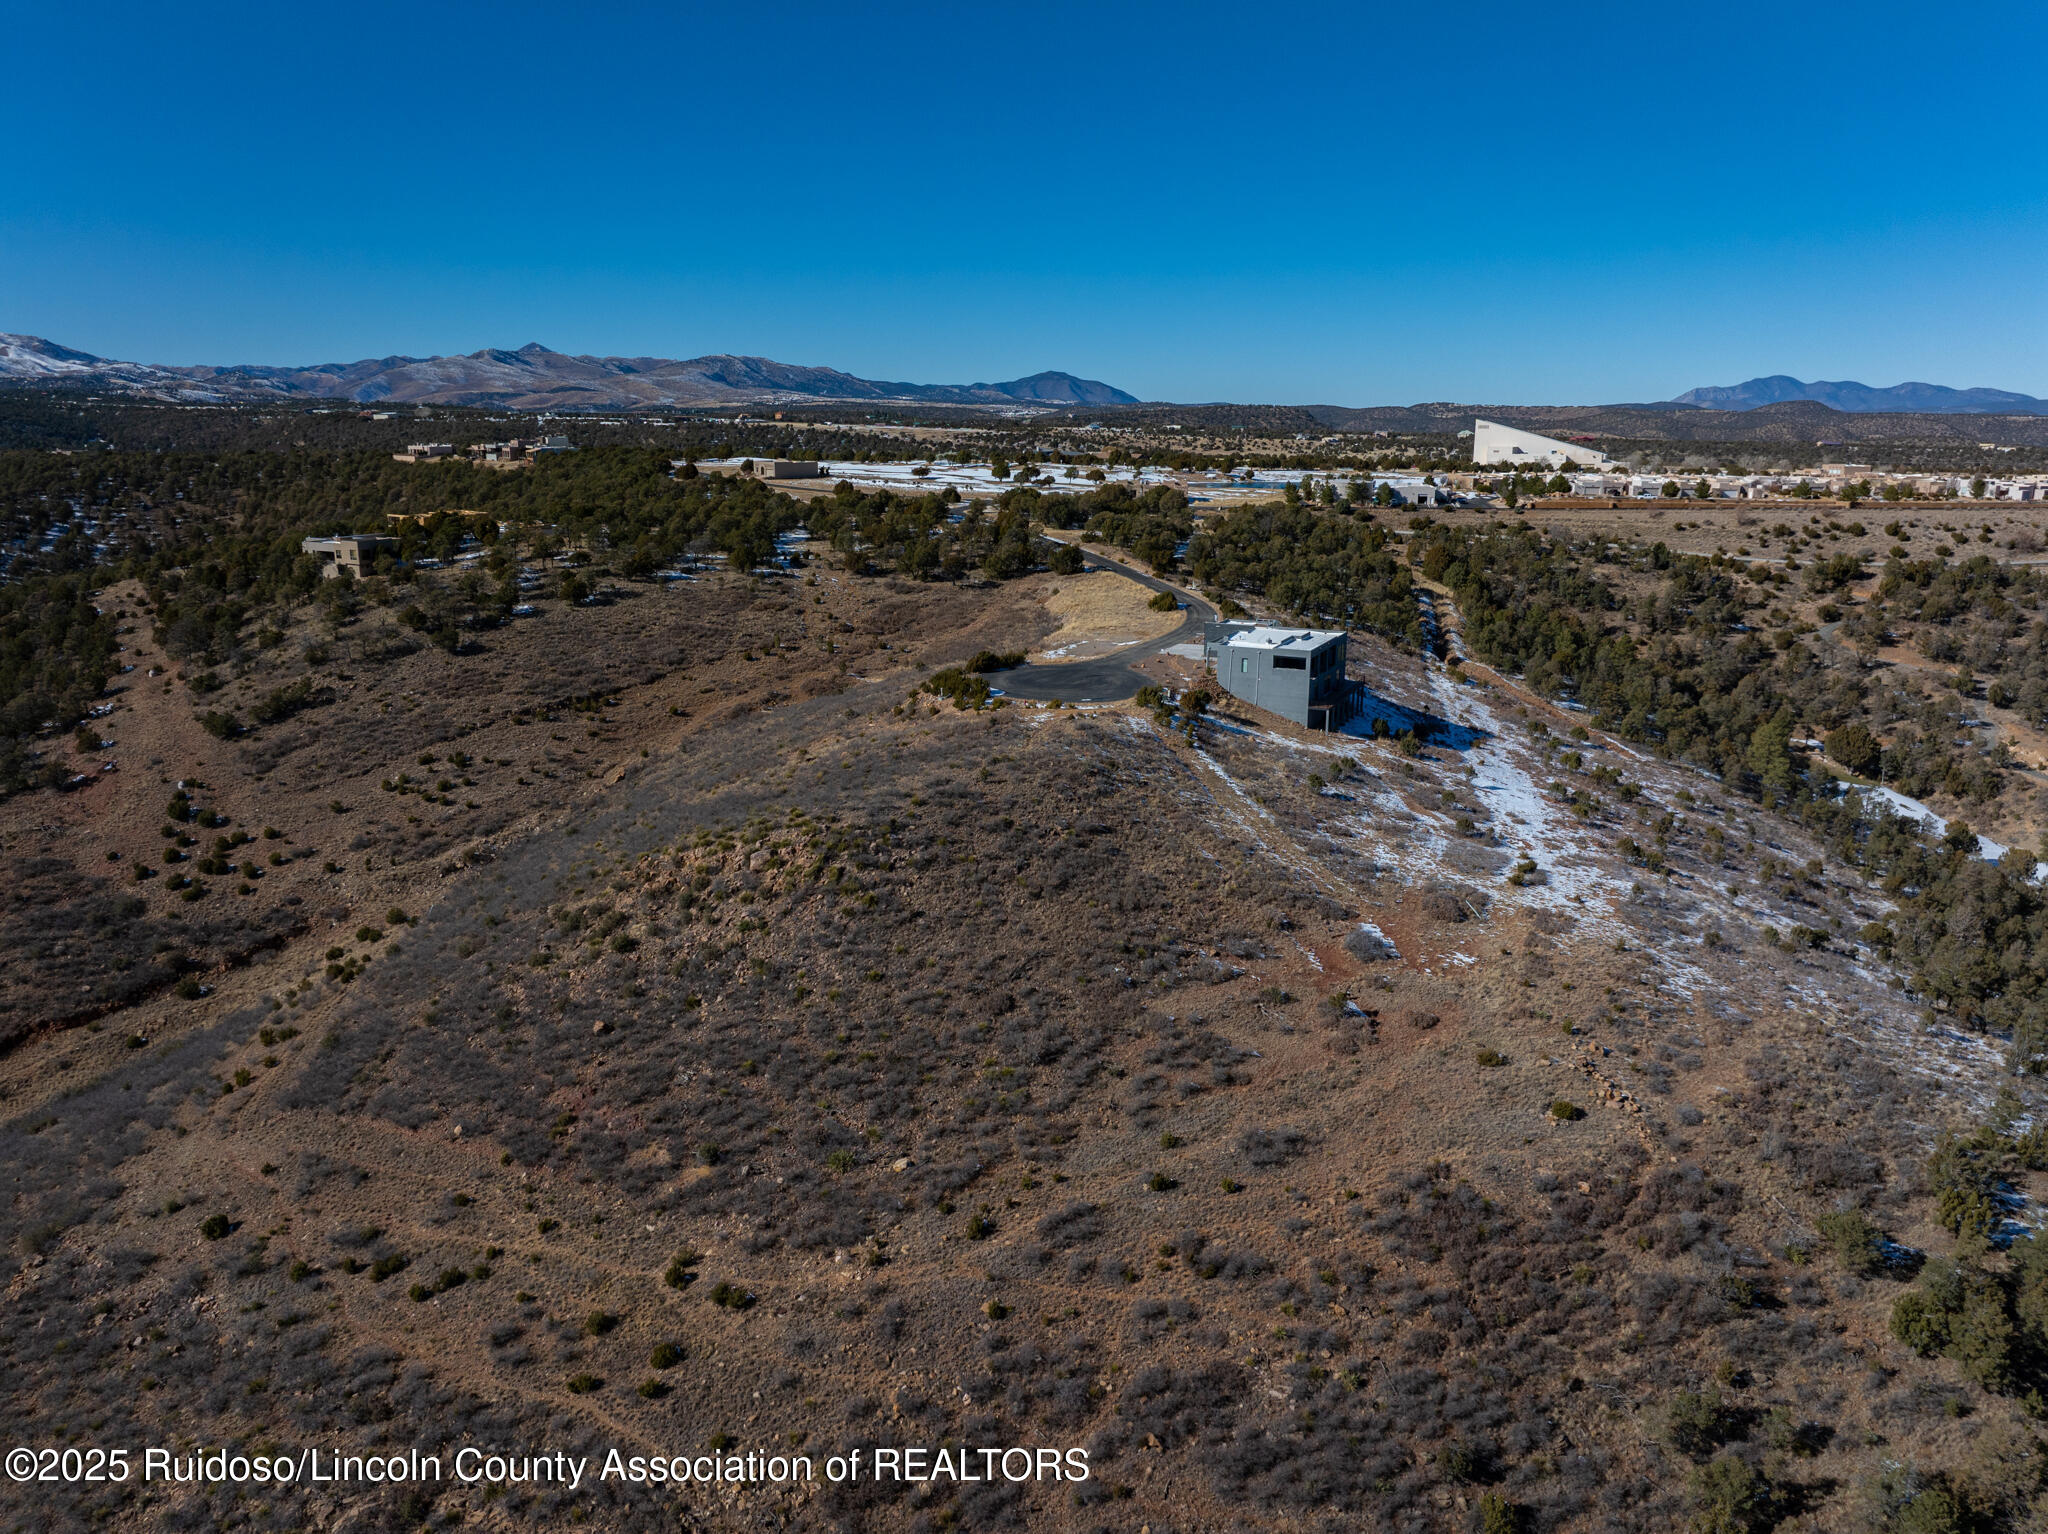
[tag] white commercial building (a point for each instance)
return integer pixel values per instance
(1493, 444)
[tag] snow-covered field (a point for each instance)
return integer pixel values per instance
(1273, 481)
(967, 478)
(978, 479)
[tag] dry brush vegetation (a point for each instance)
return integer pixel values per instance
(691, 1030)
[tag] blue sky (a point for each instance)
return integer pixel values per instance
(1346, 204)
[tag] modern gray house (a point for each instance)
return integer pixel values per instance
(1295, 673)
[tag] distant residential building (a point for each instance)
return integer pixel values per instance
(787, 468)
(1410, 490)
(353, 552)
(425, 452)
(1494, 444)
(1593, 486)
(1295, 673)
(423, 517)
(553, 445)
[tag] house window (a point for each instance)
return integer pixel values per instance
(1244, 664)
(1290, 663)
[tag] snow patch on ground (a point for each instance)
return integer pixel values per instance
(1368, 818)
(1372, 931)
(1968, 1065)
(1913, 809)
(1526, 819)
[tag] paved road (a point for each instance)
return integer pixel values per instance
(1109, 679)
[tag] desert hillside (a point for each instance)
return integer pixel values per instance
(679, 1011)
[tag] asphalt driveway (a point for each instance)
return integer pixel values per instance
(1108, 679)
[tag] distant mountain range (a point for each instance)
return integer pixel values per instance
(531, 378)
(1862, 399)
(535, 378)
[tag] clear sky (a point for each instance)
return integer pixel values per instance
(1349, 204)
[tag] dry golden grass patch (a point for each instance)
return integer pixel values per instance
(1098, 610)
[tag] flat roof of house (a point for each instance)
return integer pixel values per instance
(1263, 638)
